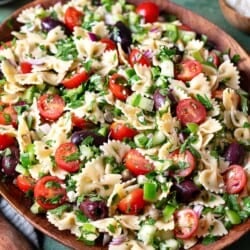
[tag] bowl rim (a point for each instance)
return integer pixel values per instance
(65, 237)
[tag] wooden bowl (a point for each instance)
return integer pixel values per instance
(200, 25)
(235, 18)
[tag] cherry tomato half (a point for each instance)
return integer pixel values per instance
(8, 115)
(26, 67)
(235, 179)
(50, 106)
(186, 223)
(133, 203)
(75, 80)
(214, 58)
(80, 122)
(149, 11)
(5, 45)
(120, 131)
(186, 159)
(67, 158)
(49, 192)
(25, 183)
(184, 27)
(73, 18)
(137, 163)
(187, 70)
(110, 45)
(190, 110)
(6, 141)
(116, 86)
(137, 57)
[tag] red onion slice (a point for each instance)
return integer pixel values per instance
(118, 240)
(92, 36)
(198, 210)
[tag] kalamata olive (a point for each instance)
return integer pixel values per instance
(122, 34)
(186, 191)
(78, 136)
(126, 175)
(49, 23)
(94, 210)
(173, 102)
(96, 2)
(9, 160)
(159, 99)
(177, 58)
(235, 153)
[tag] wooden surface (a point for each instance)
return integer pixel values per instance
(200, 25)
(233, 17)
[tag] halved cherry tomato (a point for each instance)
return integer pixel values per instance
(137, 163)
(26, 67)
(217, 93)
(80, 122)
(149, 11)
(235, 179)
(8, 115)
(137, 57)
(110, 45)
(187, 70)
(73, 18)
(186, 223)
(50, 106)
(214, 58)
(116, 86)
(120, 131)
(6, 141)
(184, 27)
(133, 203)
(190, 110)
(75, 80)
(25, 183)
(185, 158)
(67, 158)
(49, 192)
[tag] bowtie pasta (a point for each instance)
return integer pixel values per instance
(125, 127)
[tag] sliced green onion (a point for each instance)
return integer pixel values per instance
(168, 211)
(150, 191)
(172, 32)
(233, 217)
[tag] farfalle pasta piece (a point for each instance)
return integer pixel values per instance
(104, 224)
(100, 29)
(109, 62)
(131, 222)
(230, 99)
(208, 199)
(229, 74)
(194, 45)
(9, 71)
(187, 244)
(145, 82)
(210, 126)
(199, 85)
(115, 149)
(30, 14)
(216, 110)
(242, 135)
(165, 226)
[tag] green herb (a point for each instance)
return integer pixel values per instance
(244, 99)
(55, 200)
(166, 53)
(192, 127)
(80, 216)
(71, 184)
(60, 210)
(111, 228)
(52, 184)
(190, 139)
(235, 59)
(205, 101)
(87, 65)
(231, 201)
(194, 152)
(209, 239)
(66, 49)
(7, 118)
(246, 125)
(108, 4)
(72, 157)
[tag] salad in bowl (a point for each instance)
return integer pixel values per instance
(124, 126)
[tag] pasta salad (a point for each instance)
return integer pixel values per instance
(124, 125)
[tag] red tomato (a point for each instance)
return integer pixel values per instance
(80, 122)
(137, 57)
(75, 80)
(73, 18)
(120, 131)
(187, 70)
(133, 203)
(110, 45)
(235, 179)
(8, 116)
(6, 141)
(25, 183)
(116, 86)
(186, 223)
(49, 193)
(214, 58)
(187, 158)
(185, 27)
(190, 110)
(137, 163)
(26, 67)
(149, 11)
(50, 106)
(218, 93)
(67, 158)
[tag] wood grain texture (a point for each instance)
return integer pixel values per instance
(234, 18)
(200, 25)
